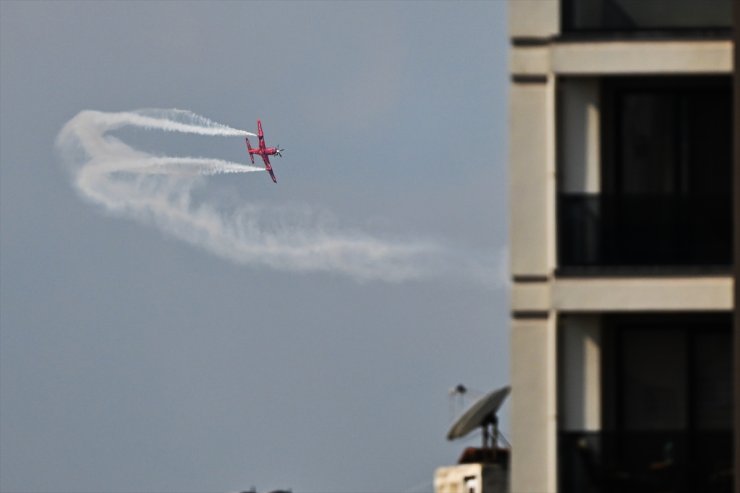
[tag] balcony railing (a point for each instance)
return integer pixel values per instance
(646, 461)
(644, 231)
(646, 15)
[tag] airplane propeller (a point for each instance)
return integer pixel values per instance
(279, 151)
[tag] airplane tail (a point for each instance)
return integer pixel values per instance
(249, 149)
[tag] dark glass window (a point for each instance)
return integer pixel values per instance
(645, 15)
(666, 178)
(653, 390)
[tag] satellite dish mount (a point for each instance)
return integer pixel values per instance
(490, 432)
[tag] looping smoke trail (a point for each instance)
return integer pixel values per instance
(158, 190)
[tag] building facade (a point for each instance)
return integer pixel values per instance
(621, 137)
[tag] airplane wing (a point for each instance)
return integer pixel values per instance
(261, 135)
(268, 167)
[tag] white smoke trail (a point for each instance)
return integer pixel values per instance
(172, 120)
(158, 190)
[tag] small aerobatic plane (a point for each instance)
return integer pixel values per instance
(264, 151)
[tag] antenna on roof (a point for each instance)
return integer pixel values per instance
(457, 398)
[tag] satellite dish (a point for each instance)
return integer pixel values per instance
(481, 414)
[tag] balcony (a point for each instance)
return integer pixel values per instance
(600, 16)
(644, 233)
(657, 413)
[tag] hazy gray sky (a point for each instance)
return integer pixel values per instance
(131, 360)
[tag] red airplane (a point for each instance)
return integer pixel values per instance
(264, 151)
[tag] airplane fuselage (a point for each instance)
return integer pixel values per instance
(267, 151)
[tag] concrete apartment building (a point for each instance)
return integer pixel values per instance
(621, 245)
